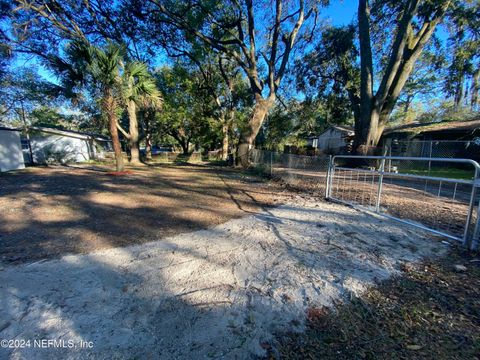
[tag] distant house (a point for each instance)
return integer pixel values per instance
(335, 140)
(11, 157)
(460, 139)
(63, 146)
(446, 130)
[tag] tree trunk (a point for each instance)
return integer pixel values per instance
(112, 124)
(148, 138)
(368, 114)
(225, 136)
(185, 145)
(27, 132)
(407, 46)
(133, 130)
(475, 89)
(367, 132)
(459, 93)
(248, 135)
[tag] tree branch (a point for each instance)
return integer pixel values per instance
(289, 42)
(124, 133)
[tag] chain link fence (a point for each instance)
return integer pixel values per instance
(445, 205)
(304, 172)
(438, 194)
(173, 157)
(434, 149)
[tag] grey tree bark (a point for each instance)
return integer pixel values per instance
(109, 107)
(408, 44)
(133, 132)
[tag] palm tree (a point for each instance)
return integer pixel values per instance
(149, 105)
(138, 89)
(105, 71)
(96, 70)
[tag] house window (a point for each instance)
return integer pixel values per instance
(315, 143)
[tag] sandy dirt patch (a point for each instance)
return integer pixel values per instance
(223, 292)
(49, 212)
(440, 206)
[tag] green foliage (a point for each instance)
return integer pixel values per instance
(329, 77)
(330, 74)
(45, 116)
(139, 84)
(293, 123)
(183, 116)
(21, 92)
(462, 53)
(104, 64)
(195, 103)
(448, 111)
(99, 48)
(99, 73)
(6, 51)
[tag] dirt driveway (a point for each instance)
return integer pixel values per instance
(218, 293)
(48, 212)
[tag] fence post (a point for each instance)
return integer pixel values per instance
(390, 161)
(430, 163)
(380, 184)
(271, 163)
(330, 174)
(466, 237)
(476, 230)
(327, 182)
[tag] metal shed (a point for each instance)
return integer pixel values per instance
(11, 156)
(63, 146)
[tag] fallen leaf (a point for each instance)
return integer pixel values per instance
(414, 347)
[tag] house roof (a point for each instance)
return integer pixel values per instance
(344, 129)
(70, 133)
(451, 126)
(9, 128)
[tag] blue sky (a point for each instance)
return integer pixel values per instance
(338, 13)
(341, 12)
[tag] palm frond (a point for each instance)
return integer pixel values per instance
(140, 86)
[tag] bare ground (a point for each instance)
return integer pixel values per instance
(180, 262)
(223, 292)
(429, 311)
(47, 212)
(406, 199)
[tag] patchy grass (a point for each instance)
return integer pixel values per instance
(430, 311)
(450, 173)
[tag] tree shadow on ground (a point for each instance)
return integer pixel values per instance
(221, 292)
(429, 311)
(53, 211)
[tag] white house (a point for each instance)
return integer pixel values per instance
(11, 156)
(63, 146)
(334, 140)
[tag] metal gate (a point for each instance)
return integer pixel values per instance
(436, 194)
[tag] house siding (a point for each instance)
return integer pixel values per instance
(331, 141)
(11, 156)
(59, 148)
